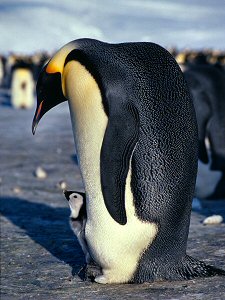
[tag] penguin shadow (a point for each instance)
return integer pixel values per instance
(47, 226)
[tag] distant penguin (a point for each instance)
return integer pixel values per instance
(182, 59)
(209, 183)
(78, 218)
(2, 69)
(203, 74)
(217, 58)
(136, 138)
(39, 60)
(10, 62)
(207, 86)
(22, 88)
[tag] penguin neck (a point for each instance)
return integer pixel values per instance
(56, 64)
(89, 122)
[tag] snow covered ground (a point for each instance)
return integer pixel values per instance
(30, 25)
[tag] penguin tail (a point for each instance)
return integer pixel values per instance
(192, 268)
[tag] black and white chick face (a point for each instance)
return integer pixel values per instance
(77, 204)
(78, 218)
(76, 201)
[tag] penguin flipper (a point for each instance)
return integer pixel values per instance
(119, 141)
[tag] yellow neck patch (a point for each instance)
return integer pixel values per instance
(56, 63)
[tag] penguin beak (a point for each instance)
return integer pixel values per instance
(37, 117)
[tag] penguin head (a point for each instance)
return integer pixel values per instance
(74, 194)
(77, 203)
(49, 85)
(49, 94)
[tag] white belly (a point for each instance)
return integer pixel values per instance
(22, 89)
(116, 248)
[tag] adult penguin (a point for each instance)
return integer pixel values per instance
(136, 138)
(206, 83)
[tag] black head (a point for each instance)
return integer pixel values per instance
(49, 94)
(68, 193)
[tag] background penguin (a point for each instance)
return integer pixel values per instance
(2, 69)
(136, 138)
(22, 88)
(217, 59)
(207, 86)
(10, 62)
(38, 61)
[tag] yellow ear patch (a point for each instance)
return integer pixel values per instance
(52, 68)
(56, 63)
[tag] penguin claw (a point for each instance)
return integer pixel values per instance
(89, 272)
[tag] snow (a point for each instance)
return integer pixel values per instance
(27, 26)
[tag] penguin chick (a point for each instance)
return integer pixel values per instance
(78, 218)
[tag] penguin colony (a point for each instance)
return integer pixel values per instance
(136, 138)
(34, 63)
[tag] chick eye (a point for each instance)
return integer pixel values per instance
(75, 196)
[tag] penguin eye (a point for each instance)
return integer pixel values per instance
(75, 196)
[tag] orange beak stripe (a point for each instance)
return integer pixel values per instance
(39, 110)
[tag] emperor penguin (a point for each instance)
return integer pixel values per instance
(2, 69)
(135, 133)
(22, 88)
(206, 83)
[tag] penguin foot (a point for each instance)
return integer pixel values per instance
(109, 276)
(101, 279)
(184, 269)
(91, 271)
